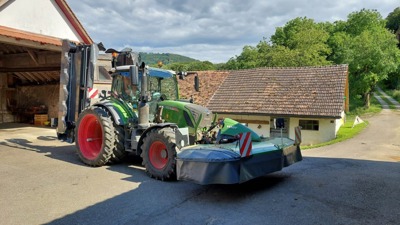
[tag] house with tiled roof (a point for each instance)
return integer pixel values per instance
(31, 34)
(209, 82)
(315, 98)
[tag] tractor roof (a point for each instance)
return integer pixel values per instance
(153, 72)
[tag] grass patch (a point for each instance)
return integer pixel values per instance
(357, 107)
(388, 102)
(394, 94)
(346, 131)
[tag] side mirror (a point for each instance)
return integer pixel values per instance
(196, 83)
(134, 74)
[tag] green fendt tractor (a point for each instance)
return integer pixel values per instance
(143, 114)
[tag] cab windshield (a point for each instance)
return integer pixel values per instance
(123, 88)
(165, 88)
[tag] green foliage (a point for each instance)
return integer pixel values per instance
(277, 56)
(393, 20)
(357, 106)
(363, 20)
(165, 58)
(301, 42)
(393, 80)
(191, 66)
(394, 94)
(176, 62)
(345, 132)
(362, 42)
(368, 47)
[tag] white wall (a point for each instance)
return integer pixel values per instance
(327, 127)
(37, 16)
(340, 122)
(262, 127)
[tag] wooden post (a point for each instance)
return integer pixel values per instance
(346, 94)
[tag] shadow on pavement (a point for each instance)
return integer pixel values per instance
(64, 153)
(316, 191)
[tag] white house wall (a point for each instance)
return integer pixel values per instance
(326, 132)
(261, 128)
(48, 18)
(327, 127)
(340, 122)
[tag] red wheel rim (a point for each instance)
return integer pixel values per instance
(158, 154)
(90, 137)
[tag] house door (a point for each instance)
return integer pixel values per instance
(282, 124)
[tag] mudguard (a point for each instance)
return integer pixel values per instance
(120, 114)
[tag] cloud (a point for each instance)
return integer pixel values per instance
(204, 29)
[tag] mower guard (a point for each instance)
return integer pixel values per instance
(223, 164)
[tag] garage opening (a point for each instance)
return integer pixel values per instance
(29, 83)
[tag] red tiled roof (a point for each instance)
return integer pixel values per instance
(308, 91)
(24, 35)
(209, 83)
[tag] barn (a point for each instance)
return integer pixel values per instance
(31, 34)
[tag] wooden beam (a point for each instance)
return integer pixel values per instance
(33, 56)
(347, 95)
(253, 121)
(28, 69)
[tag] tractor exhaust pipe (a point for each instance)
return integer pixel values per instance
(143, 107)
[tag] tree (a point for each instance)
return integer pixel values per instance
(363, 20)
(246, 60)
(191, 66)
(301, 42)
(276, 56)
(368, 47)
(393, 20)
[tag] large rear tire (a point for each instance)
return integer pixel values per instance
(94, 136)
(119, 152)
(159, 154)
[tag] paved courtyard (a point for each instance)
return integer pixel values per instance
(353, 182)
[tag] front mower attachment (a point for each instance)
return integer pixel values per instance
(224, 163)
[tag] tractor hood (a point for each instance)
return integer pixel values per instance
(186, 114)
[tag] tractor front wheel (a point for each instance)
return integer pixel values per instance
(94, 137)
(159, 153)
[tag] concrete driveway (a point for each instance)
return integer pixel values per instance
(353, 182)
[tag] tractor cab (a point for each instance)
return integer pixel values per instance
(127, 86)
(122, 87)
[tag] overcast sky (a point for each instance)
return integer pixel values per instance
(213, 30)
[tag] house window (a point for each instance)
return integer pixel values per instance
(309, 124)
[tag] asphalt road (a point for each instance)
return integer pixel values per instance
(353, 182)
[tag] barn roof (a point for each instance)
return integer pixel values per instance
(305, 91)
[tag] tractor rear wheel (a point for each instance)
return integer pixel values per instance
(94, 136)
(159, 153)
(119, 152)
